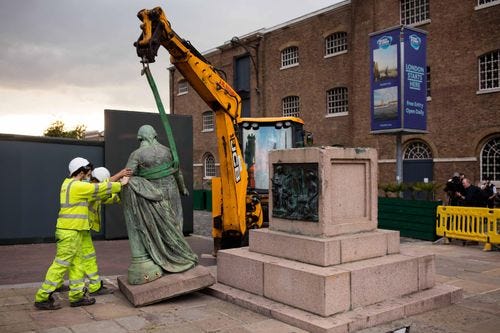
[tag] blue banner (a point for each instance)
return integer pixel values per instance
(415, 81)
(398, 80)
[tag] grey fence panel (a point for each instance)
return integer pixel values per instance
(32, 170)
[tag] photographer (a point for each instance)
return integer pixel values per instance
(454, 190)
(489, 192)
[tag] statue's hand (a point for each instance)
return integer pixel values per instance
(185, 192)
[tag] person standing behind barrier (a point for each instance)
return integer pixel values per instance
(454, 189)
(473, 196)
(490, 192)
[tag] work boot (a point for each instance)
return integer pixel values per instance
(103, 290)
(49, 304)
(84, 301)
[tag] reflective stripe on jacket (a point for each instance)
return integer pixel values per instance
(75, 197)
(95, 210)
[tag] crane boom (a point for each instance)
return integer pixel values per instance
(219, 96)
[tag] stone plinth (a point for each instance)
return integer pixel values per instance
(325, 290)
(335, 272)
(348, 190)
(168, 286)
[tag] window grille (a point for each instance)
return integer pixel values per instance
(208, 121)
(486, 2)
(490, 159)
(289, 56)
(291, 106)
(337, 101)
(489, 70)
(209, 166)
(336, 43)
(414, 11)
(417, 150)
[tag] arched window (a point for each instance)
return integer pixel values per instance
(486, 3)
(209, 166)
(336, 43)
(208, 121)
(417, 150)
(291, 106)
(490, 159)
(290, 57)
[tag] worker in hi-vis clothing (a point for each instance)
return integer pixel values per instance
(89, 264)
(72, 224)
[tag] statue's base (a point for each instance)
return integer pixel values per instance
(168, 286)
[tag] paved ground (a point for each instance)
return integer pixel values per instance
(23, 268)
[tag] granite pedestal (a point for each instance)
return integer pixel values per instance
(339, 273)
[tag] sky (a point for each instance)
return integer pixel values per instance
(69, 60)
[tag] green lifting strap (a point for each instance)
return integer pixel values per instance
(159, 171)
(164, 169)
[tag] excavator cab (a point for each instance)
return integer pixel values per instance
(257, 137)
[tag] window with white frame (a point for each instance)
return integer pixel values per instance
(490, 159)
(290, 57)
(414, 11)
(209, 170)
(337, 101)
(489, 71)
(484, 3)
(183, 87)
(417, 150)
(208, 121)
(336, 43)
(291, 106)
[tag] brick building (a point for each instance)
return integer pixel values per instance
(317, 67)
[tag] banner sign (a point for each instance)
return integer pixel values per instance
(398, 76)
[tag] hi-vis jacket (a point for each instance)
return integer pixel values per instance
(75, 197)
(95, 210)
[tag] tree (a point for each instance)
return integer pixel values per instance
(56, 129)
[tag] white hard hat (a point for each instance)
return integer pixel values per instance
(101, 174)
(76, 164)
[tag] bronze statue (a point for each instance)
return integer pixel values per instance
(153, 212)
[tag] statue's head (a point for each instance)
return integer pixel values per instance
(146, 134)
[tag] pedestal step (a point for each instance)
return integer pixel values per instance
(349, 321)
(326, 251)
(325, 290)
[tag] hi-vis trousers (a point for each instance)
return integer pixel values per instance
(89, 262)
(68, 259)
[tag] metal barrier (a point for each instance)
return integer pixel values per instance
(469, 223)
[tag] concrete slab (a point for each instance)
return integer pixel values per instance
(166, 287)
